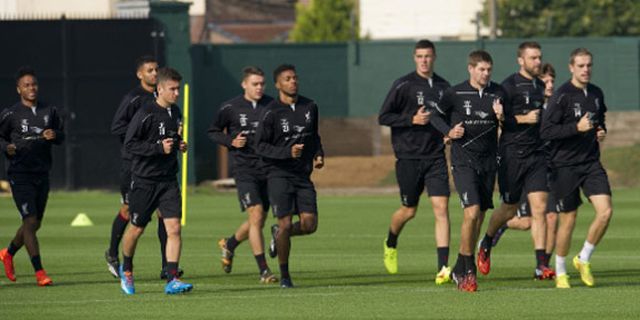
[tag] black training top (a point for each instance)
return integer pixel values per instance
(407, 95)
(559, 124)
(474, 109)
(523, 95)
(240, 115)
(129, 105)
(149, 126)
(281, 127)
(23, 126)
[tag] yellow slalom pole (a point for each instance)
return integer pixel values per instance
(185, 155)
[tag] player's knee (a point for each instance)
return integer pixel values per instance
(408, 212)
(136, 231)
(440, 207)
(605, 215)
(309, 227)
(124, 212)
(285, 225)
(31, 223)
(256, 219)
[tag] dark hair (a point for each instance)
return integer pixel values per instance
(579, 52)
(425, 44)
(145, 59)
(478, 56)
(547, 68)
(282, 68)
(24, 71)
(251, 70)
(528, 45)
(166, 73)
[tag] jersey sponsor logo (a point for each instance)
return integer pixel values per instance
(134, 218)
(440, 93)
(298, 129)
(255, 123)
(481, 114)
(246, 201)
(527, 98)
(46, 120)
(522, 210)
(243, 120)
(597, 102)
(162, 130)
(25, 209)
(420, 97)
(285, 125)
(577, 110)
(307, 117)
(467, 107)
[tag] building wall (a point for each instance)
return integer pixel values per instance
(83, 8)
(413, 19)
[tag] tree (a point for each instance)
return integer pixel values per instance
(558, 18)
(325, 21)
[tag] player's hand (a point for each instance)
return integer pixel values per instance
(498, 109)
(421, 117)
(318, 162)
(49, 134)
(296, 150)
(167, 145)
(584, 124)
(532, 117)
(446, 140)
(457, 132)
(601, 134)
(239, 141)
(183, 146)
(11, 149)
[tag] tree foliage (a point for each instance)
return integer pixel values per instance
(559, 18)
(324, 21)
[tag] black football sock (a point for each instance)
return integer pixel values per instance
(443, 257)
(117, 230)
(162, 237)
(392, 239)
(36, 263)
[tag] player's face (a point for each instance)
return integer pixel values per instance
(549, 83)
(148, 73)
(531, 61)
(288, 83)
(581, 69)
(169, 91)
(253, 86)
(28, 88)
(480, 74)
(424, 59)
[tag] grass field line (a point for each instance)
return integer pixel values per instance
(210, 293)
(381, 236)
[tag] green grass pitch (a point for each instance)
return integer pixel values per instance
(337, 271)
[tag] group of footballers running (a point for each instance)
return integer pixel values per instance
(274, 145)
(547, 150)
(543, 146)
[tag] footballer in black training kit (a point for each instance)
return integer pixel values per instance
(143, 94)
(289, 142)
(154, 139)
(419, 151)
(28, 130)
(234, 127)
(574, 123)
(472, 111)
